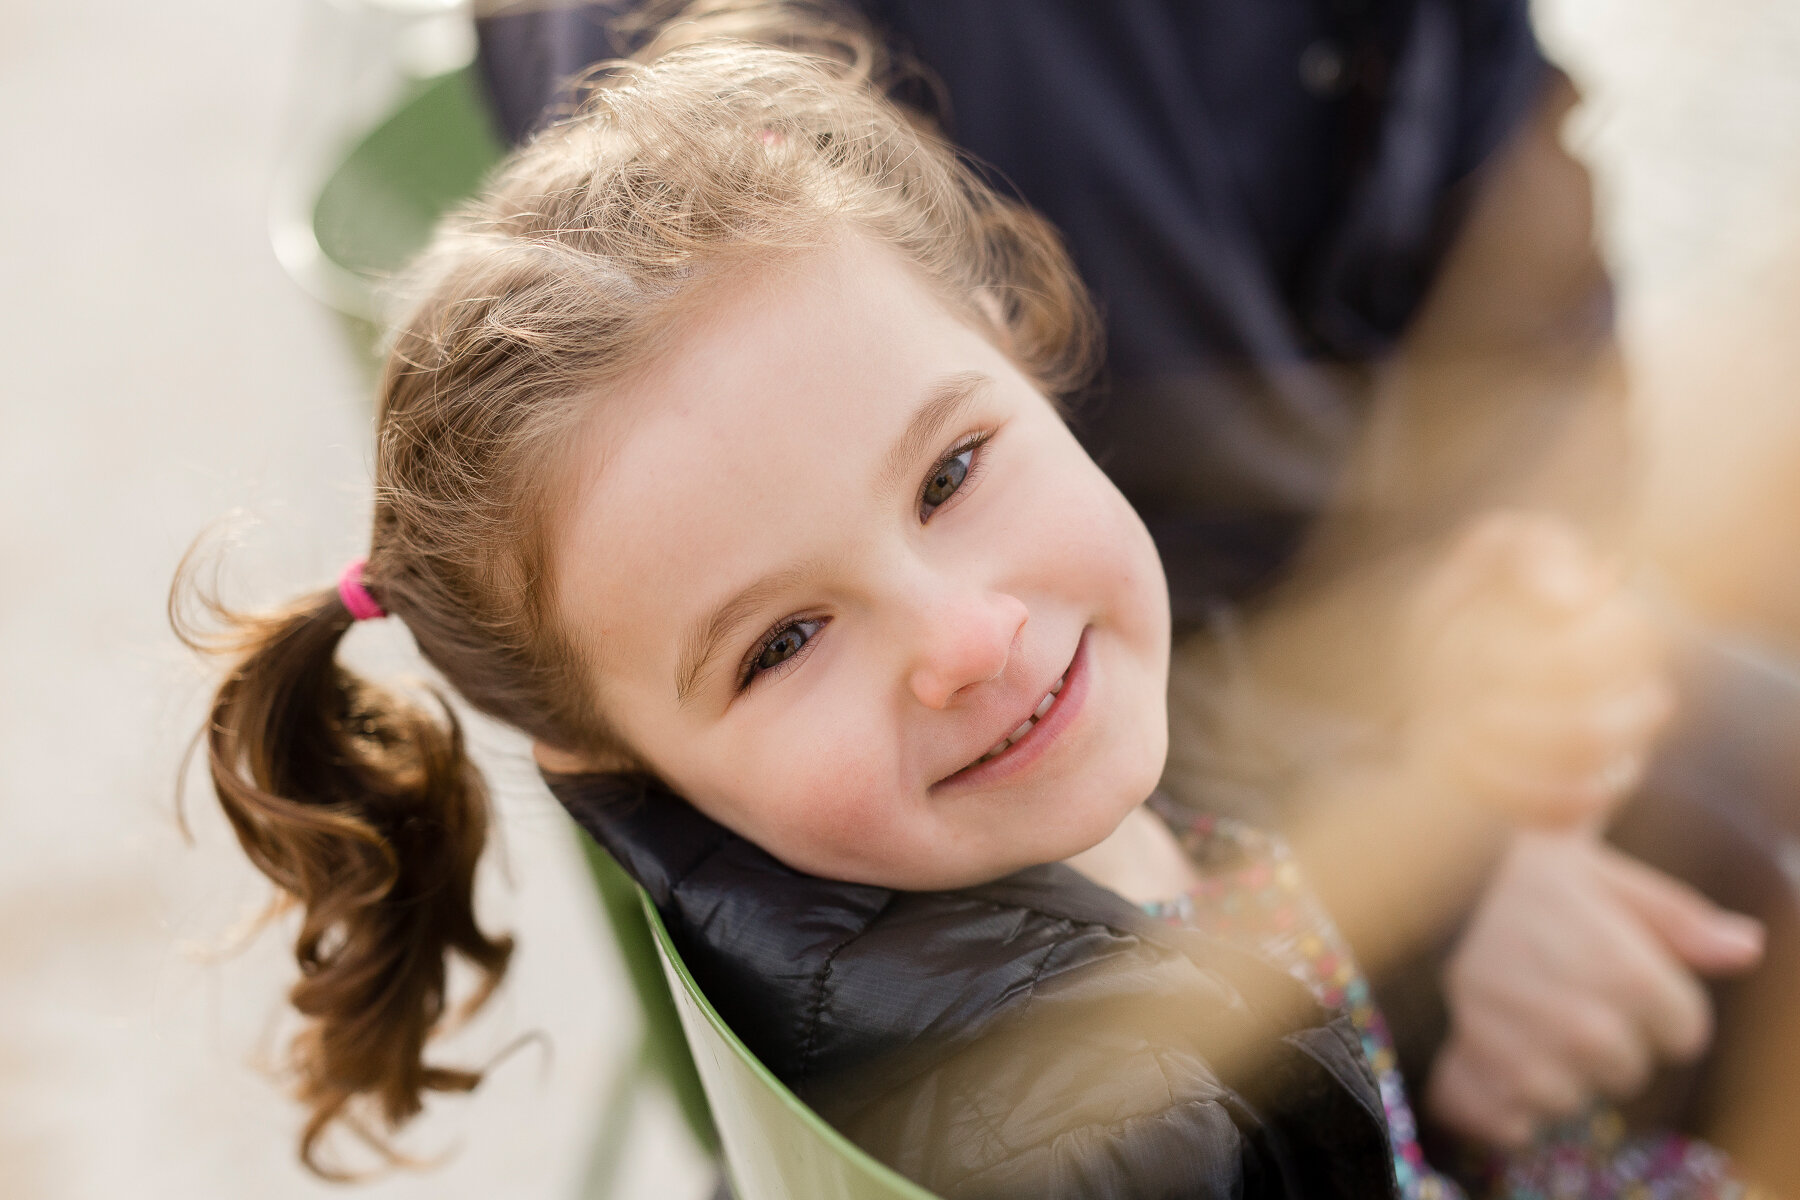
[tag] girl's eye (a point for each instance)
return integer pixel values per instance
(779, 646)
(947, 477)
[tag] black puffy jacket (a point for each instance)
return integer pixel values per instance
(1034, 1037)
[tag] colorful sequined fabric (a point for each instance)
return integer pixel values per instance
(1252, 895)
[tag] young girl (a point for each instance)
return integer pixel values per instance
(718, 457)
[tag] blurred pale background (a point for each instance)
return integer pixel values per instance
(161, 370)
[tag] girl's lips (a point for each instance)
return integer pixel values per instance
(1024, 753)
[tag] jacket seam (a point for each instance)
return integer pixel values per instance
(1037, 974)
(816, 1007)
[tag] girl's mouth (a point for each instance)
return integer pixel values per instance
(1034, 735)
(1029, 724)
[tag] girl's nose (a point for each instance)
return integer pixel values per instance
(963, 644)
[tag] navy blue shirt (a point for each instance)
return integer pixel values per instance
(1258, 193)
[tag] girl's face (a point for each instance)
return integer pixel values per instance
(837, 549)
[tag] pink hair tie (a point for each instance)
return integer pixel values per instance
(356, 598)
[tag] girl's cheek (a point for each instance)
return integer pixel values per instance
(839, 830)
(848, 781)
(1085, 526)
(851, 833)
(825, 794)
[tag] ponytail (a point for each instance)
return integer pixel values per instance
(366, 811)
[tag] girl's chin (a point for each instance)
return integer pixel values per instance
(1093, 821)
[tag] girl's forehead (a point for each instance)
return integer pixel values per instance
(768, 428)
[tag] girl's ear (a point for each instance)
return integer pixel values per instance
(562, 762)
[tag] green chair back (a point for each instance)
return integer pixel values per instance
(776, 1148)
(343, 231)
(378, 208)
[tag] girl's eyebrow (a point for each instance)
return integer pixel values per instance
(706, 636)
(945, 400)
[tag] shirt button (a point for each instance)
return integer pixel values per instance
(1322, 68)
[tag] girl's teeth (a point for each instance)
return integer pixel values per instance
(1025, 728)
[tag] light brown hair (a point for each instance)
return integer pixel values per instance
(570, 272)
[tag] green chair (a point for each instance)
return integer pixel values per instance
(342, 228)
(776, 1148)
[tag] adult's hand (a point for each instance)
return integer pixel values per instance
(1538, 682)
(1576, 977)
